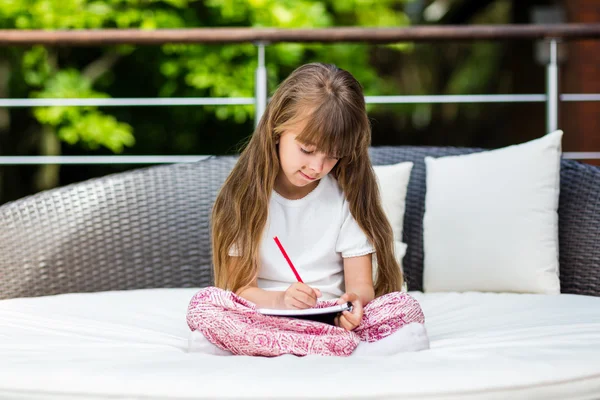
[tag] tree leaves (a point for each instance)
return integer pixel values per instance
(182, 69)
(81, 124)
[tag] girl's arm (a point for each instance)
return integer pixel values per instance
(262, 298)
(297, 296)
(358, 277)
(359, 290)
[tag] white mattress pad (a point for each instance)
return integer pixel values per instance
(133, 344)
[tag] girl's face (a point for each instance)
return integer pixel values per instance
(301, 166)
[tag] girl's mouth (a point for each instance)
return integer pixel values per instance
(306, 176)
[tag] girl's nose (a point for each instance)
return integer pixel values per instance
(317, 164)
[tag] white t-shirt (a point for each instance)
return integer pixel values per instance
(317, 232)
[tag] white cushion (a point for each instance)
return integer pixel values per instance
(491, 221)
(393, 185)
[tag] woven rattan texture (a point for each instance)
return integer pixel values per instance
(579, 228)
(140, 229)
(150, 228)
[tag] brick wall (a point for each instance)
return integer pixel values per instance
(581, 74)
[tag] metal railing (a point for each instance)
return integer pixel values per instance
(261, 37)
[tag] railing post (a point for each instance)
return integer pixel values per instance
(552, 98)
(260, 85)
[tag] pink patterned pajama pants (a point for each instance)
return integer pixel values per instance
(232, 323)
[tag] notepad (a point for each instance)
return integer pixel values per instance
(325, 314)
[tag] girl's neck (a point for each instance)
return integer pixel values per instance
(290, 191)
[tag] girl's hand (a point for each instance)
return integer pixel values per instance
(300, 296)
(350, 320)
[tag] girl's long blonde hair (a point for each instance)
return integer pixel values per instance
(333, 104)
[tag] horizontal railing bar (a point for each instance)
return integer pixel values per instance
(89, 160)
(458, 98)
(195, 101)
(581, 155)
(157, 101)
(93, 160)
(580, 97)
(97, 37)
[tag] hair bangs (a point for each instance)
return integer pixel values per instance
(332, 131)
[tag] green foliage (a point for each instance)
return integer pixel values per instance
(97, 129)
(81, 124)
(181, 70)
(476, 70)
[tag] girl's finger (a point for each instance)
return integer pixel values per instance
(343, 323)
(353, 319)
(343, 299)
(305, 299)
(307, 290)
(293, 304)
(298, 304)
(346, 324)
(350, 326)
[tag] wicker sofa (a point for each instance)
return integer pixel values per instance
(95, 278)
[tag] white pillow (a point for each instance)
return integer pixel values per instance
(393, 184)
(491, 221)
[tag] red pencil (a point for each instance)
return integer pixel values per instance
(288, 259)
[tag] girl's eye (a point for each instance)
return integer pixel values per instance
(305, 151)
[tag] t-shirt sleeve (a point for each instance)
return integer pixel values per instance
(352, 241)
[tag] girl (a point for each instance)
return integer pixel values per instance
(306, 178)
